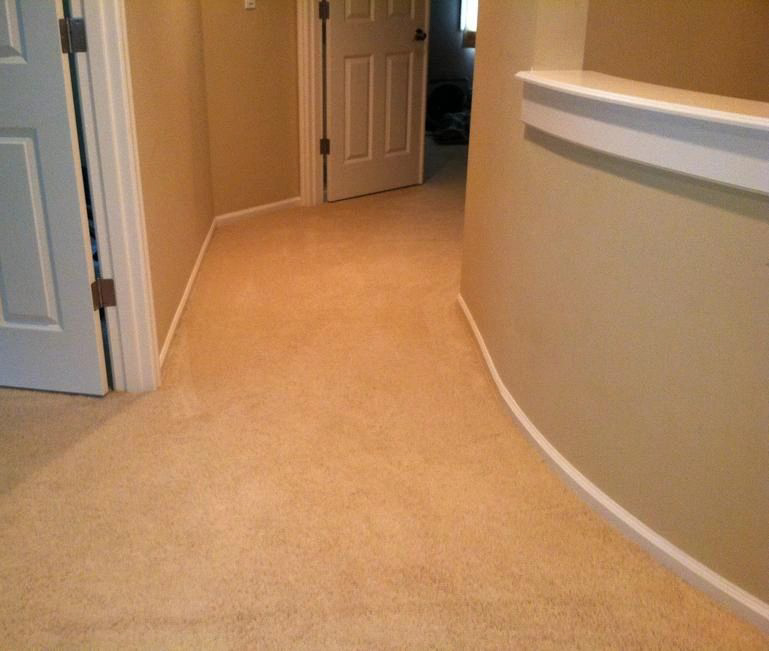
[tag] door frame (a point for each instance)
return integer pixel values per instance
(109, 132)
(309, 56)
(309, 59)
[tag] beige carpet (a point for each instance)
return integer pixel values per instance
(327, 465)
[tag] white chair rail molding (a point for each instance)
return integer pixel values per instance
(712, 137)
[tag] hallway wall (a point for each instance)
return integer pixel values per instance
(713, 46)
(251, 82)
(172, 130)
(624, 307)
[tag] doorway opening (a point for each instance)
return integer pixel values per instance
(88, 195)
(364, 89)
(449, 92)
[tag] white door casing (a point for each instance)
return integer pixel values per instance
(50, 335)
(375, 100)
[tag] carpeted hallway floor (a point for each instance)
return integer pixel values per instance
(327, 465)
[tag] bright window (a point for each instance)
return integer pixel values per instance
(469, 15)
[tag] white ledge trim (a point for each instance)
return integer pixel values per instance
(719, 139)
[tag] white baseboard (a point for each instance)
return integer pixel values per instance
(691, 570)
(217, 221)
(186, 295)
(229, 217)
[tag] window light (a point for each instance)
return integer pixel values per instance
(469, 20)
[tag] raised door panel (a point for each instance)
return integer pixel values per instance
(401, 8)
(11, 42)
(27, 290)
(359, 106)
(398, 103)
(359, 10)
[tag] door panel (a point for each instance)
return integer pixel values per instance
(357, 10)
(50, 335)
(398, 103)
(26, 285)
(376, 74)
(11, 47)
(359, 108)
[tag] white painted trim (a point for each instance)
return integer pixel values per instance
(651, 97)
(110, 135)
(426, 81)
(688, 568)
(186, 295)
(221, 220)
(719, 139)
(257, 210)
(310, 93)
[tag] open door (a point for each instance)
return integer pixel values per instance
(376, 54)
(50, 335)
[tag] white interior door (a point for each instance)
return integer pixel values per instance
(376, 67)
(50, 335)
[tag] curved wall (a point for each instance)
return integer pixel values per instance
(626, 309)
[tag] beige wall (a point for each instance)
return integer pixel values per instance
(714, 46)
(169, 101)
(251, 79)
(625, 308)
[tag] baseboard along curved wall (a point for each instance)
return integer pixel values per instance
(690, 569)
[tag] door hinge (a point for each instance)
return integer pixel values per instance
(324, 10)
(72, 32)
(103, 293)
(325, 146)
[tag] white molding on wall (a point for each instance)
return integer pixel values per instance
(110, 135)
(216, 222)
(711, 137)
(238, 215)
(310, 93)
(688, 568)
(186, 295)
